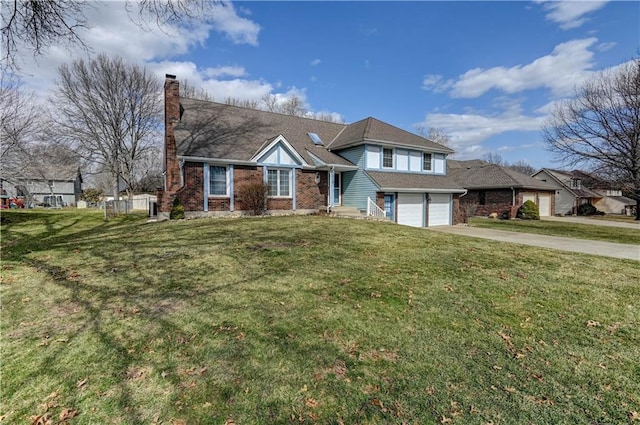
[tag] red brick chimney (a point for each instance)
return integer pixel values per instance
(171, 118)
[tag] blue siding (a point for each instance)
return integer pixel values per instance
(354, 155)
(357, 186)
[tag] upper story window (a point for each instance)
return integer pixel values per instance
(575, 183)
(426, 162)
(218, 181)
(279, 182)
(387, 158)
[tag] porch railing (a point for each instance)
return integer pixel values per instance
(373, 210)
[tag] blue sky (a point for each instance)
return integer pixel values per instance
(486, 73)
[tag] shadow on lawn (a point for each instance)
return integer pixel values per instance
(140, 283)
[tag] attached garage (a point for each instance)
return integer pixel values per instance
(411, 209)
(544, 204)
(439, 209)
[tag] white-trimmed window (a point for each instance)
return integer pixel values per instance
(426, 162)
(387, 158)
(279, 182)
(218, 185)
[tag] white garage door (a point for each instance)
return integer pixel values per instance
(439, 209)
(544, 204)
(411, 209)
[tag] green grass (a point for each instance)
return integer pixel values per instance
(307, 319)
(555, 228)
(615, 217)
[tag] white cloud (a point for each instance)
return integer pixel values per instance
(315, 62)
(468, 131)
(570, 14)
(603, 47)
(569, 64)
(225, 71)
(238, 29)
(111, 31)
(436, 83)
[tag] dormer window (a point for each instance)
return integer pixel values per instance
(387, 158)
(575, 183)
(426, 162)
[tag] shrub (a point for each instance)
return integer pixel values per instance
(253, 197)
(177, 210)
(588, 209)
(528, 211)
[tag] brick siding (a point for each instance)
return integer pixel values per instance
(309, 194)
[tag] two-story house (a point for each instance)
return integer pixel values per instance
(212, 149)
(577, 187)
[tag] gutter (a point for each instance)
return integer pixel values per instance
(421, 190)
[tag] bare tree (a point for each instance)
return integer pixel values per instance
(270, 102)
(19, 121)
(193, 92)
(494, 158)
(600, 127)
(34, 25)
(434, 134)
(110, 111)
(522, 167)
(244, 103)
(292, 105)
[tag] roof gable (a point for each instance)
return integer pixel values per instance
(279, 152)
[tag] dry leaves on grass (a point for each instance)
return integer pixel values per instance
(312, 403)
(67, 414)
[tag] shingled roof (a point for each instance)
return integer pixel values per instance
(371, 129)
(216, 130)
(416, 181)
(492, 176)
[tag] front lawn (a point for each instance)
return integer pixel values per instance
(568, 230)
(307, 320)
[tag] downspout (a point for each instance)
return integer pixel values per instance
(465, 218)
(513, 202)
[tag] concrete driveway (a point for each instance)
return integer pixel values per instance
(606, 249)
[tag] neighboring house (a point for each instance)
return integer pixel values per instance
(611, 201)
(500, 190)
(212, 149)
(574, 188)
(50, 186)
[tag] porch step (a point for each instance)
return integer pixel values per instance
(347, 212)
(352, 212)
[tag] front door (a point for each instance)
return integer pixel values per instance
(337, 189)
(389, 207)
